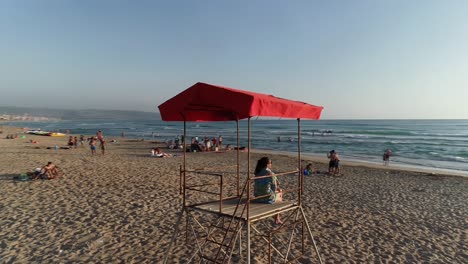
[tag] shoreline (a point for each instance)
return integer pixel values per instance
(394, 166)
(368, 164)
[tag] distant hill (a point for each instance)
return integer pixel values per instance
(66, 114)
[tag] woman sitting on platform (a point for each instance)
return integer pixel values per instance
(268, 186)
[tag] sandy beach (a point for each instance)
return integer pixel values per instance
(121, 207)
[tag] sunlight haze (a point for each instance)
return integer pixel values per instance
(357, 59)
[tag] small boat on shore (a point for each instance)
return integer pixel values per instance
(54, 134)
(38, 132)
(45, 133)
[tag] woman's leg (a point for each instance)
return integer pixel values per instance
(278, 219)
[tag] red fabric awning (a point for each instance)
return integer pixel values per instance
(207, 102)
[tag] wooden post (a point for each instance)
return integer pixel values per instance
(248, 192)
(238, 160)
(299, 165)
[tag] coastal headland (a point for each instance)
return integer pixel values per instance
(122, 206)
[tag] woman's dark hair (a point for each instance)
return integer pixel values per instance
(261, 164)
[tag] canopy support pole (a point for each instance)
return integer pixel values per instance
(299, 166)
(248, 190)
(185, 159)
(238, 159)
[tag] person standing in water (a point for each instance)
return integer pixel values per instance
(386, 157)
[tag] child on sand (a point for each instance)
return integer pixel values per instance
(92, 144)
(309, 170)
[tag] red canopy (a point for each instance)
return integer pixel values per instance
(207, 102)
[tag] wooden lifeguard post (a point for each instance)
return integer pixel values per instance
(237, 213)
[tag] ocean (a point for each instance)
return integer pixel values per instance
(441, 144)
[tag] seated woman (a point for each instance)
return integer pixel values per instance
(70, 141)
(159, 154)
(268, 187)
(50, 171)
(195, 147)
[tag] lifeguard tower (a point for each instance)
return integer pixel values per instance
(221, 229)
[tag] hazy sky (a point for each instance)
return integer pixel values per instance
(358, 59)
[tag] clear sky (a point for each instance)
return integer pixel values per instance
(359, 59)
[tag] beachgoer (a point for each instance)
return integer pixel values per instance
(386, 157)
(50, 171)
(176, 143)
(75, 142)
(194, 147)
(99, 135)
(207, 144)
(70, 141)
(103, 146)
(92, 145)
(334, 164)
(81, 140)
(268, 186)
(228, 147)
(220, 141)
(36, 174)
(215, 145)
(308, 170)
(159, 154)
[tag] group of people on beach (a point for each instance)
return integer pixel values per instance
(334, 163)
(94, 140)
(11, 136)
(207, 144)
(74, 142)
